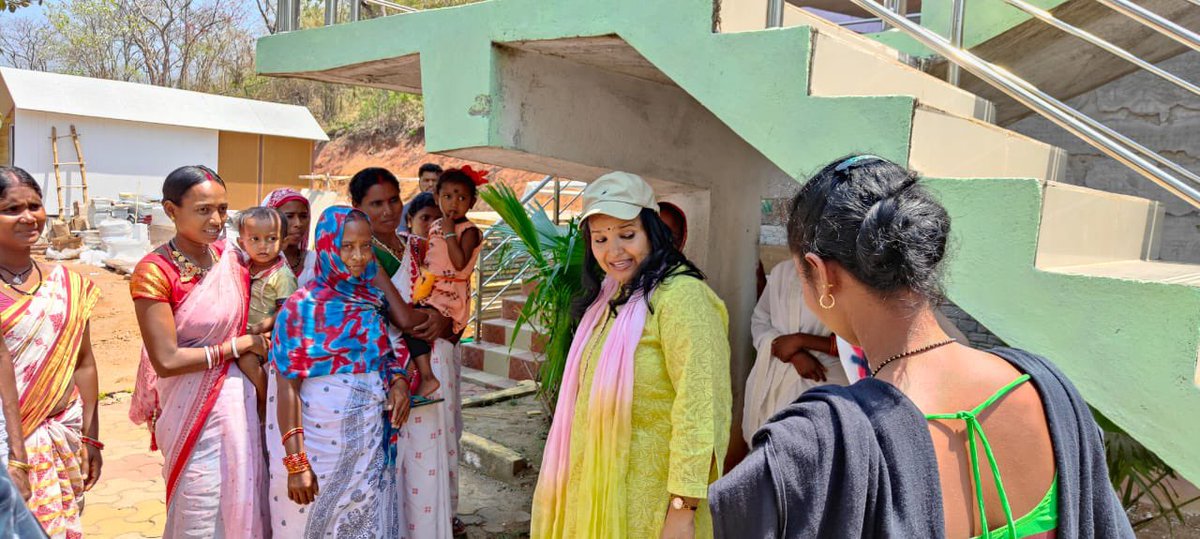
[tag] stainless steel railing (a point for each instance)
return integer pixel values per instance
(1119, 147)
(1048, 18)
(484, 298)
(287, 12)
(1156, 22)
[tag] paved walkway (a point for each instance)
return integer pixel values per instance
(128, 502)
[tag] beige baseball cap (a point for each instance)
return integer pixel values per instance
(618, 194)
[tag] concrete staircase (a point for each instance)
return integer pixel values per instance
(723, 117)
(501, 349)
(1060, 64)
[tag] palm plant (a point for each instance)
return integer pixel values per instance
(1139, 476)
(554, 253)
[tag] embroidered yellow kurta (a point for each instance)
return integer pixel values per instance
(682, 403)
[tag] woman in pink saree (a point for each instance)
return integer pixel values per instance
(191, 297)
(47, 369)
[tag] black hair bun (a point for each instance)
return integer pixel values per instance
(901, 242)
(877, 220)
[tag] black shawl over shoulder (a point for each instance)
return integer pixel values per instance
(858, 461)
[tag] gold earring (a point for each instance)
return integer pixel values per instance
(832, 300)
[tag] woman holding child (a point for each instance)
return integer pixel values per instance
(429, 461)
(191, 301)
(46, 365)
(643, 413)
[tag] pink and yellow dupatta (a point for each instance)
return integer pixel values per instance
(212, 313)
(601, 483)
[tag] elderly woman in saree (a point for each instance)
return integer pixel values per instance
(44, 313)
(337, 376)
(191, 300)
(643, 413)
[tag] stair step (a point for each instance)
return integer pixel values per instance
(513, 305)
(948, 146)
(1087, 226)
(842, 66)
(1149, 271)
(500, 360)
(487, 379)
(846, 63)
(500, 331)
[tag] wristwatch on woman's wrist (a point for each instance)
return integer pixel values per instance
(678, 503)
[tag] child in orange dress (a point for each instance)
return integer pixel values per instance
(454, 242)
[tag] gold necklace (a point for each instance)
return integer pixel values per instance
(189, 269)
(385, 247)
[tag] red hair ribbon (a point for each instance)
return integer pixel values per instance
(477, 176)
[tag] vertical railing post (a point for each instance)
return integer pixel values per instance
(895, 6)
(775, 13)
(956, 38)
(355, 7)
(557, 201)
(287, 16)
(479, 293)
(331, 7)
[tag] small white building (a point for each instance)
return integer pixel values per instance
(133, 135)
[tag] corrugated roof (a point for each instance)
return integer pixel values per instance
(100, 98)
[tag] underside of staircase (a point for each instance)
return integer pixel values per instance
(574, 88)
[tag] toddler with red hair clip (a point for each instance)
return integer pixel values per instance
(445, 280)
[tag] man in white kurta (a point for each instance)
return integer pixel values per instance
(774, 382)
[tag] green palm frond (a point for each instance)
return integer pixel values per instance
(504, 201)
(557, 253)
(1138, 475)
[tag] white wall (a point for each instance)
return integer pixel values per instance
(121, 156)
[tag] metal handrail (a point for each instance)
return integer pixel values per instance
(477, 318)
(391, 5)
(1048, 18)
(877, 20)
(1156, 22)
(524, 200)
(1091, 132)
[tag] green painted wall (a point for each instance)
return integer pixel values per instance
(1130, 347)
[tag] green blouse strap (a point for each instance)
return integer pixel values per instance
(975, 430)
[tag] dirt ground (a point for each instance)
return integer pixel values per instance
(493, 508)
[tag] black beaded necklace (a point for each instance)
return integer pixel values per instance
(35, 289)
(920, 350)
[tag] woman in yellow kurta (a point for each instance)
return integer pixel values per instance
(643, 413)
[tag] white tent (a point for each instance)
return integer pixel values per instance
(132, 135)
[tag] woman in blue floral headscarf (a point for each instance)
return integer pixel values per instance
(332, 354)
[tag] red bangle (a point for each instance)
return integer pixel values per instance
(290, 433)
(833, 351)
(92, 442)
(296, 463)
